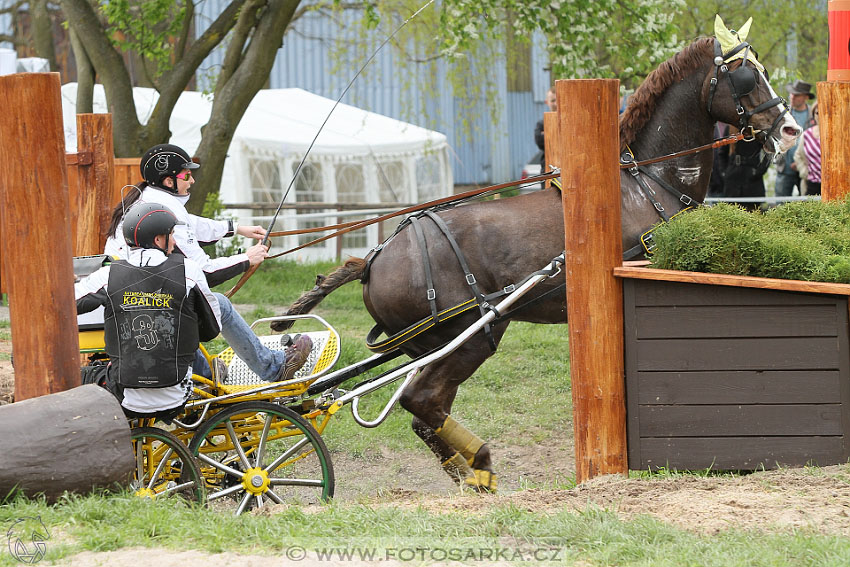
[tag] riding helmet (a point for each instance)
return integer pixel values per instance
(164, 160)
(144, 221)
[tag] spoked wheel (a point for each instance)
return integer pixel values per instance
(256, 452)
(164, 466)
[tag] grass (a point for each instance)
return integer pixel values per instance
(521, 395)
(593, 535)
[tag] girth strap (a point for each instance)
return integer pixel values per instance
(467, 273)
(431, 293)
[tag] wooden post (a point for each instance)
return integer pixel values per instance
(834, 110)
(94, 201)
(37, 243)
(551, 141)
(590, 175)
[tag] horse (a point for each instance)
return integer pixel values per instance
(503, 240)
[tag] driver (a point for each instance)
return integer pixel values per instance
(158, 307)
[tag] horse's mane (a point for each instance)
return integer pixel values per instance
(642, 102)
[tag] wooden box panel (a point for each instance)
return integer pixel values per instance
(735, 378)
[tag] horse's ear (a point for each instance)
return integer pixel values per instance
(745, 30)
(727, 39)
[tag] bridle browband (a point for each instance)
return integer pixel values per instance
(742, 81)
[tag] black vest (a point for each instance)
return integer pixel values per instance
(151, 331)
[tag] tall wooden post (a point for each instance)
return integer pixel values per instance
(834, 104)
(590, 176)
(94, 200)
(551, 141)
(37, 243)
(834, 110)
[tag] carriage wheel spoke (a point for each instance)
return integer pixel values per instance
(259, 500)
(244, 504)
(159, 467)
(261, 448)
(274, 497)
(190, 484)
(282, 458)
(296, 482)
(226, 492)
(219, 465)
(140, 461)
(236, 446)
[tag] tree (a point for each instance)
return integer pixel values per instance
(625, 39)
(791, 36)
(160, 31)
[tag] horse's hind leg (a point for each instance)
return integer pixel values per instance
(465, 457)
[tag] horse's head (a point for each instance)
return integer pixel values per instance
(737, 91)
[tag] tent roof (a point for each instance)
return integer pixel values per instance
(280, 121)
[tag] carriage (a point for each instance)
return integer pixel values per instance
(241, 438)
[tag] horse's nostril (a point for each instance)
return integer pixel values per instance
(789, 131)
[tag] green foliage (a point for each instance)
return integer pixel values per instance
(790, 35)
(145, 27)
(807, 240)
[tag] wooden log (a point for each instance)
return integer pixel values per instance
(37, 245)
(70, 441)
(834, 108)
(94, 199)
(590, 176)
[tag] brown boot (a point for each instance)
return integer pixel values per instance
(296, 356)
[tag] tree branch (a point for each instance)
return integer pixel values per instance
(241, 35)
(183, 39)
(109, 65)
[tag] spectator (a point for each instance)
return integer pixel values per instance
(745, 172)
(721, 162)
(807, 156)
(552, 103)
(787, 176)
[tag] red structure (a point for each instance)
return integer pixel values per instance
(838, 64)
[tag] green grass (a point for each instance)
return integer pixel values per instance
(521, 395)
(594, 536)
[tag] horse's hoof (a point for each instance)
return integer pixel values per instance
(482, 481)
(457, 468)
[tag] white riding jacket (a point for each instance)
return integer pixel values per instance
(188, 238)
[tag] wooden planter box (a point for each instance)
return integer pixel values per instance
(734, 373)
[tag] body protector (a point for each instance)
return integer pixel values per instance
(151, 332)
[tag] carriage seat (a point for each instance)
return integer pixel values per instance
(90, 324)
(322, 356)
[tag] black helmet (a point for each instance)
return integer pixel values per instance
(144, 221)
(164, 160)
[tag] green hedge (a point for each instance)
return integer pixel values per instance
(806, 240)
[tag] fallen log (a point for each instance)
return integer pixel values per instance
(74, 441)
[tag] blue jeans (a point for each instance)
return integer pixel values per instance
(785, 184)
(264, 362)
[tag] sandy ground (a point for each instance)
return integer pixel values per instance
(787, 499)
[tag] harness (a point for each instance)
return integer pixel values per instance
(742, 81)
(479, 300)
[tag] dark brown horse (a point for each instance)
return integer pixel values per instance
(505, 240)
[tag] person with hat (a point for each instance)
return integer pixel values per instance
(157, 307)
(167, 180)
(787, 176)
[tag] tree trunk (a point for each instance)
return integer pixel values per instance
(74, 441)
(85, 76)
(42, 32)
(233, 96)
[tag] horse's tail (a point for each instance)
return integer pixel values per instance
(353, 269)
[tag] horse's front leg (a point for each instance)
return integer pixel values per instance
(464, 455)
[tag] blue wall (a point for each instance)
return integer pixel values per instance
(489, 152)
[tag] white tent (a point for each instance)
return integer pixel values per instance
(359, 157)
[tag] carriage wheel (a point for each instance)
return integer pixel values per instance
(258, 452)
(164, 466)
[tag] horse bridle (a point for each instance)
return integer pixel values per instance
(742, 81)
